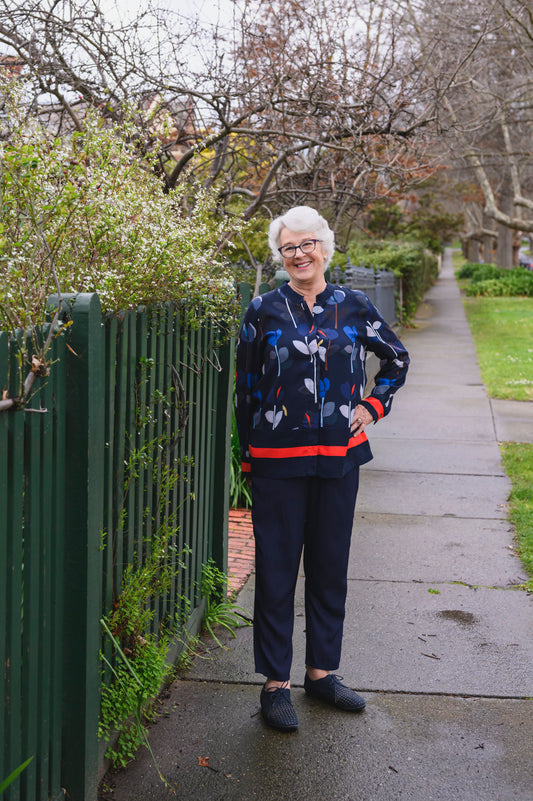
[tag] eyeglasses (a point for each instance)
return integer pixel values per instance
(289, 251)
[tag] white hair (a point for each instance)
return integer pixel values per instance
(302, 218)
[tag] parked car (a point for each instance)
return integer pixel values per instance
(525, 261)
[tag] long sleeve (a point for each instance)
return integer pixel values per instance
(248, 369)
(394, 362)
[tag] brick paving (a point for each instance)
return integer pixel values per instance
(241, 548)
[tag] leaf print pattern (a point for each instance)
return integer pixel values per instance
(275, 415)
(326, 409)
(310, 420)
(309, 348)
(373, 332)
(272, 338)
(300, 374)
(337, 297)
(351, 332)
(348, 391)
(257, 416)
(310, 385)
(248, 333)
(327, 335)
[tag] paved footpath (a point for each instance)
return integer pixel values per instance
(438, 636)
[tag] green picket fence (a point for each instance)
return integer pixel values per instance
(83, 492)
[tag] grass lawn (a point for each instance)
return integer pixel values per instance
(518, 462)
(503, 334)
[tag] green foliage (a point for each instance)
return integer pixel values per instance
(427, 222)
(219, 609)
(239, 490)
(252, 239)
(478, 271)
(518, 462)
(431, 225)
(138, 665)
(86, 214)
(14, 775)
(515, 283)
(186, 656)
(127, 701)
(135, 656)
(492, 281)
(410, 261)
(384, 219)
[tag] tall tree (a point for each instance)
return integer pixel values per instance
(481, 54)
(324, 105)
(289, 102)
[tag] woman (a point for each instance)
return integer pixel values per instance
(301, 417)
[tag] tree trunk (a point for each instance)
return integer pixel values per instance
(504, 250)
(488, 247)
(472, 251)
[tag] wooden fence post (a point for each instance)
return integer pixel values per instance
(84, 484)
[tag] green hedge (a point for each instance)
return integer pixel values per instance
(411, 262)
(492, 281)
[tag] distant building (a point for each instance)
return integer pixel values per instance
(12, 65)
(171, 121)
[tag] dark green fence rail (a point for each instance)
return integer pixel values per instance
(130, 399)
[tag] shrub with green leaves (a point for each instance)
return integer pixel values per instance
(478, 271)
(491, 281)
(411, 262)
(427, 222)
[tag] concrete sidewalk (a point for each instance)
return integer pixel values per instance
(438, 637)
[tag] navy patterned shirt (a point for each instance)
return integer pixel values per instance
(300, 376)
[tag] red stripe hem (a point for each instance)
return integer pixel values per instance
(307, 450)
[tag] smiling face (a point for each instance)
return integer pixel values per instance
(306, 270)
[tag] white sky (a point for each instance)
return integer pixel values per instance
(216, 13)
(208, 10)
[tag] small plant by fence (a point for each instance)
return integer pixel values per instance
(86, 495)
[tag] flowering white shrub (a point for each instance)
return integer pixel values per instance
(87, 214)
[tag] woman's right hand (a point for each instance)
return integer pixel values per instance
(360, 419)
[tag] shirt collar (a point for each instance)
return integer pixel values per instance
(291, 294)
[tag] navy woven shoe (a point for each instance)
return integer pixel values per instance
(278, 711)
(331, 690)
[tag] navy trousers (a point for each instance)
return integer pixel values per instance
(290, 514)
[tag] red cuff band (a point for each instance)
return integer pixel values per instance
(376, 405)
